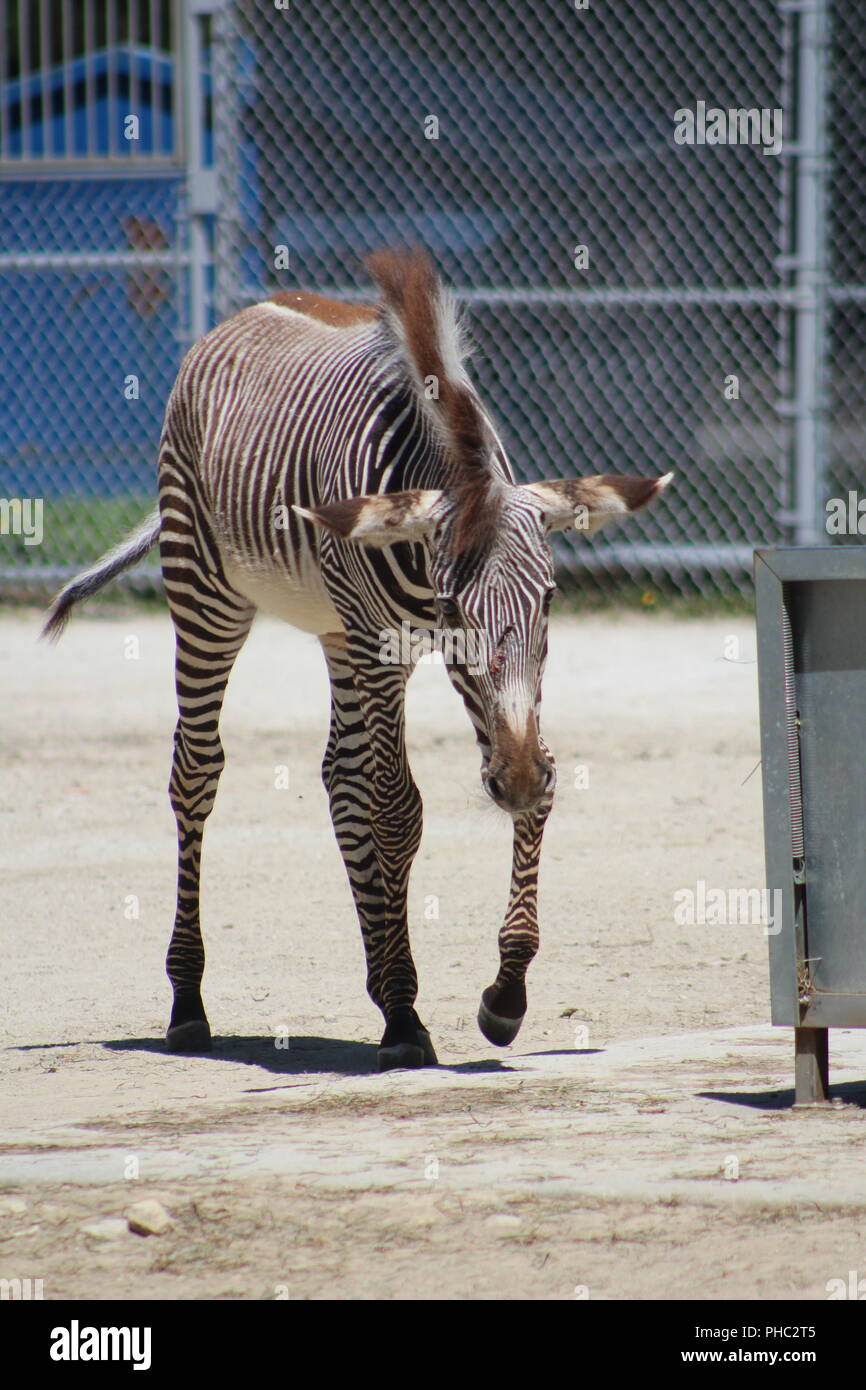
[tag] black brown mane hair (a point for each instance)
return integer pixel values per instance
(412, 294)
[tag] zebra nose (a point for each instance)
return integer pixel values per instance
(517, 789)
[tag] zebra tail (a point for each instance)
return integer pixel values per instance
(121, 557)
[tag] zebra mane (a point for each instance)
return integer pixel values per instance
(421, 318)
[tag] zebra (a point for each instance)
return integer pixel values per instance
(332, 463)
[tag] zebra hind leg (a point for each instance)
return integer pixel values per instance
(209, 636)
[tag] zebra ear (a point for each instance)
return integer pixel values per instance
(377, 519)
(587, 503)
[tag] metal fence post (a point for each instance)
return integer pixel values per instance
(227, 142)
(809, 264)
(200, 178)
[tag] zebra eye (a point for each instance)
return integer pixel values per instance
(448, 608)
(549, 597)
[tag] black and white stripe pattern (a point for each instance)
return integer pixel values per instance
(337, 469)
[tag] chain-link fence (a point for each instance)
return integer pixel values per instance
(633, 200)
(97, 269)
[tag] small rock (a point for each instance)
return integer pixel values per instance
(148, 1218)
(503, 1224)
(12, 1206)
(54, 1214)
(110, 1228)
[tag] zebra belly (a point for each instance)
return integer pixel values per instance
(299, 600)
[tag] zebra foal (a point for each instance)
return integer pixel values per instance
(332, 464)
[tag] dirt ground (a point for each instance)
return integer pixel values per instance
(635, 1141)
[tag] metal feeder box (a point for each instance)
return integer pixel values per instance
(811, 618)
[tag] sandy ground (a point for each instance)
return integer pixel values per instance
(636, 1140)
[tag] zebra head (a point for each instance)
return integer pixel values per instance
(489, 560)
(496, 597)
(492, 587)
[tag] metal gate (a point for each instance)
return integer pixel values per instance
(104, 273)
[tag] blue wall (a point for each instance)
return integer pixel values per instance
(69, 337)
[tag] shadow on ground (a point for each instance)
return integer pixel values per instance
(848, 1092)
(303, 1056)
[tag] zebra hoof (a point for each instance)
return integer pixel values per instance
(189, 1037)
(426, 1045)
(401, 1056)
(496, 1028)
(406, 1043)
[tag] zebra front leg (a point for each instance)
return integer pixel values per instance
(395, 825)
(202, 671)
(503, 1004)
